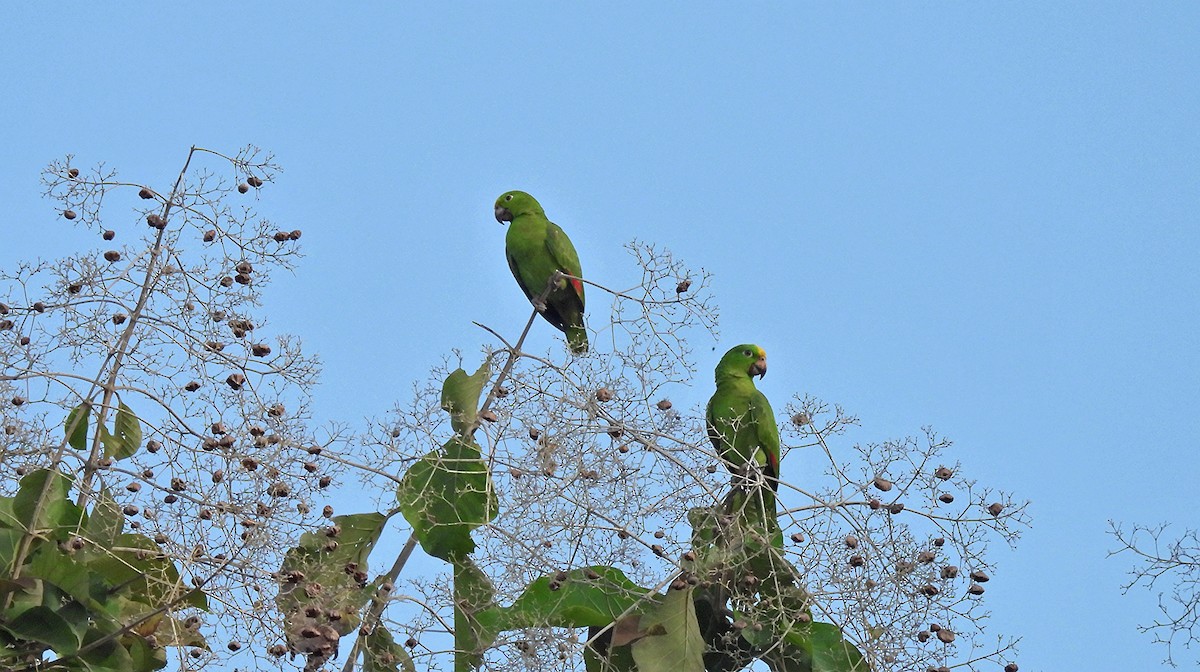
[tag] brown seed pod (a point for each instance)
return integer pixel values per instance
(949, 572)
(209, 236)
(75, 288)
(145, 193)
(227, 281)
(133, 487)
(170, 499)
(236, 381)
(39, 307)
(857, 561)
(327, 511)
(24, 340)
(109, 234)
(978, 576)
(244, 267)
(276, 411)
(156, 221)
(622, 534)
(295, 234)
(279, 489)
(192, 386)
(925, 557)
(281, 236)
(119, 318)
(604, 394)
(851, 541)
(712, 468)
(945, 498)
(995, 508)
(218, 476)
(975, 589)
(243, 188)
(923, 636)
(945, 636)
(943, 473)
(18, 401)
(797, 538)
(534, 433)
(939, 542)
(875, 504)
(249, 463)
(277, 650)
(241, 279)
(4, 309)
(614, 432)
(934, 627)
(1011, 667)
(153, 446)
(311, 450)
(489, 415)
(130, 510)
(178, 484)
(73, 173)
(679, 584)
(6, 325)
(801, 419)
(895, 507)
(883, 484)
(683, 286)
(233, 646)
(68, 214)
(325, 481)
(657, 549)
(870, 583)
(929, 590)
(254, 181)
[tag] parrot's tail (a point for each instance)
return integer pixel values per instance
(577, 340)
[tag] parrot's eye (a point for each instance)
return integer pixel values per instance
(747, 353)
(508, 197)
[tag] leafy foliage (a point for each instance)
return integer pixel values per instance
(79, 586)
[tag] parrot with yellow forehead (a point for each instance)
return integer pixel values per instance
(536, 247)
(741, 423)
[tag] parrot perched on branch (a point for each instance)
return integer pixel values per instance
(741, 423)
(537, 248)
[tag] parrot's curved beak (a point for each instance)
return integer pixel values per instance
(502, 214)
(759, 368)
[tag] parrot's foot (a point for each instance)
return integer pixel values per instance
(539, 305)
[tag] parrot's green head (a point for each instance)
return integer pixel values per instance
(744, 361)
(516, 203)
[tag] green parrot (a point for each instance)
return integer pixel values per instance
(536, 247)
(741, 423)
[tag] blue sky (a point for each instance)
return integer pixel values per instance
(980, 217)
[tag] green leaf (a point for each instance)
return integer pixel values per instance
(9, 539)
(126, 437)
(144, 573)
(578, 602)
(57, 517)
(475, 623)
(324, 563)
(445, 495)
(105, 522)
(381, 653)
(44, 625)
(460, 396)
(76, 426)
(673, 642)
(818, 647)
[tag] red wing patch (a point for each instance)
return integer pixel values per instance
(578, 285)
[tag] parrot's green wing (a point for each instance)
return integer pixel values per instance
(763, 418)
(565, 257)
